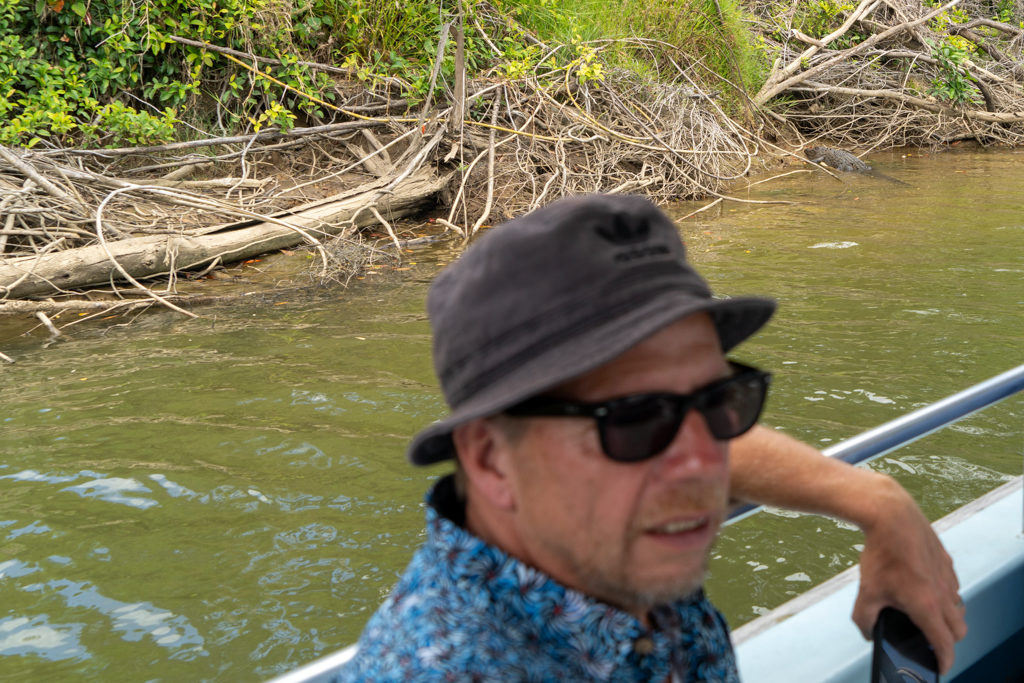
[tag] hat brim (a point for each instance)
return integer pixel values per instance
(735, 319)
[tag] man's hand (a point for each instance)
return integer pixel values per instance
(904, 565)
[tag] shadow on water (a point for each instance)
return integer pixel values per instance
(226, 498)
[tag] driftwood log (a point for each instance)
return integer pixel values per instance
(148, 256)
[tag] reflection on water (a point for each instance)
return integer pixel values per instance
(58, 640)
(226, 498)
(23, 636)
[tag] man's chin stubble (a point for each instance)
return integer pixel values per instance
(638, 600)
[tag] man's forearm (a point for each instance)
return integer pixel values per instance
(772, 468)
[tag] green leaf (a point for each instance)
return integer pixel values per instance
(78, 8)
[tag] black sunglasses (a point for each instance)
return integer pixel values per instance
(638, 427)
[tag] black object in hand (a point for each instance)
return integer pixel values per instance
(902, 653)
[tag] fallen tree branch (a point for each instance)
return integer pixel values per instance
(775, 83)
(103, 307)
(48, 324)
(486, 213)
(16, 161)
(232, 140)
(921, 103)
(262, 60)
(232, 183)
(124, 273)
(1010, 29)
(150, 256)
(988, 46)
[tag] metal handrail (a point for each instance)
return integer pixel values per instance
(904, 430)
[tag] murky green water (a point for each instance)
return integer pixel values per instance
(227, 498)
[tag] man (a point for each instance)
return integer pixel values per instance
(599, 432)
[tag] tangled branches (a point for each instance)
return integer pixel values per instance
(67, 226)
(507, 146)
(545, 141)
(896, 73)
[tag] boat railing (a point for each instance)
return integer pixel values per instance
(903, 430)
(811, 637)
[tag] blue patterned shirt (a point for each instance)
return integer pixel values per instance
(467, 611)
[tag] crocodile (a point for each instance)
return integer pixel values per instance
(841, 160)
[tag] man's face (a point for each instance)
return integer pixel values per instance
(631, 534)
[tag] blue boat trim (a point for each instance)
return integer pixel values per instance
(812, 638)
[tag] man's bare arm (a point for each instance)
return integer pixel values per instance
(903, 563)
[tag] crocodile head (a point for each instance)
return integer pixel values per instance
(815, 154)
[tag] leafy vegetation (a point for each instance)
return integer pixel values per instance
(111, 72)
(820, 17)
(713, 33)
(953, 83)
(104, 71)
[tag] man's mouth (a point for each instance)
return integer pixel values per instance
(679, 526)
(686, 534)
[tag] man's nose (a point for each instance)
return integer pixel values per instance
(693, 451)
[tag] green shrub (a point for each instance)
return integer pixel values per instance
(108, 73)
(954, 83)
(818, 18)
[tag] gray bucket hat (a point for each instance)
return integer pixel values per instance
(556, 293)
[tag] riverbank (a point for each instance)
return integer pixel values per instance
(508, 118)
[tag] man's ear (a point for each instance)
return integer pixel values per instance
(485, 458)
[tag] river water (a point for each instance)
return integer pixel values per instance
(227, 498)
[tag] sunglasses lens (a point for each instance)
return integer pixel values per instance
(640, 427)
(733, 407)
(637, 429)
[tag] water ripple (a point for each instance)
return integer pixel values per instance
(833, 245)
(109, 489)
(36, 636)
(113, 490)
(133, 620)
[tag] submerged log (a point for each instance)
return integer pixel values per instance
(141, 257)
